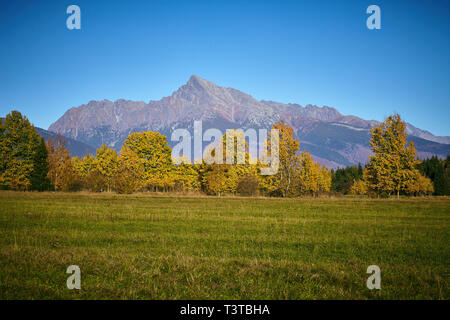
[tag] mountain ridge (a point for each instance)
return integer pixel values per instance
(199, 99)
(76, 148)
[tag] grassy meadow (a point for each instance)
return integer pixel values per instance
(174, 247)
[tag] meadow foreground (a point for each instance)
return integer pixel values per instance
(169, 247)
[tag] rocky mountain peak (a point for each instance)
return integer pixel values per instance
(195, 83)
(195, 80)
(334, 138)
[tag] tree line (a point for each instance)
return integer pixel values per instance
(145, 164)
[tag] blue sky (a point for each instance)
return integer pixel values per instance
(307, 52)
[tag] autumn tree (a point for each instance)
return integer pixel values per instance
(129, 174)
(186, 175)
(95, 181)
(226, 177)
(358, 187)
(104, 168)
(154, 156)
(83, 167)
(324, 179)
(219, 179)
(61, 172)
(19, 145)
(244, 174)
(309, 175)
(282, 182)
(419, 186)
(393, 163)
(248, 185)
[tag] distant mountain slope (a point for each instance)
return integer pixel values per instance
(332, 138)
(346, 145)
(76, 148)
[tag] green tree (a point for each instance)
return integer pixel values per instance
(39, 179)
(446, 189)
(19, 143)
(435, 169)
(343, 178)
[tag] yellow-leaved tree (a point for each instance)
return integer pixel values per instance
(61, 171)
(82, 168)
(154, 155)
(324, 179)
(392, 167)
(419, 186)
(236, 171)
(282, 182)
(129, 176)
(186, 175)
(309, 175)
(106, 164)
(359, 187)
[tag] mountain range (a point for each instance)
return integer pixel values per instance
(333, 139)
(76, 148)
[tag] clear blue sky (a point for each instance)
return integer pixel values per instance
(306, 52)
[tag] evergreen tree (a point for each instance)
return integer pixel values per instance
(342, 178)
(446, 189)
(39, 180)
(435, 169)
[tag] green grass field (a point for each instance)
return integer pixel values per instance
(169, 247)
